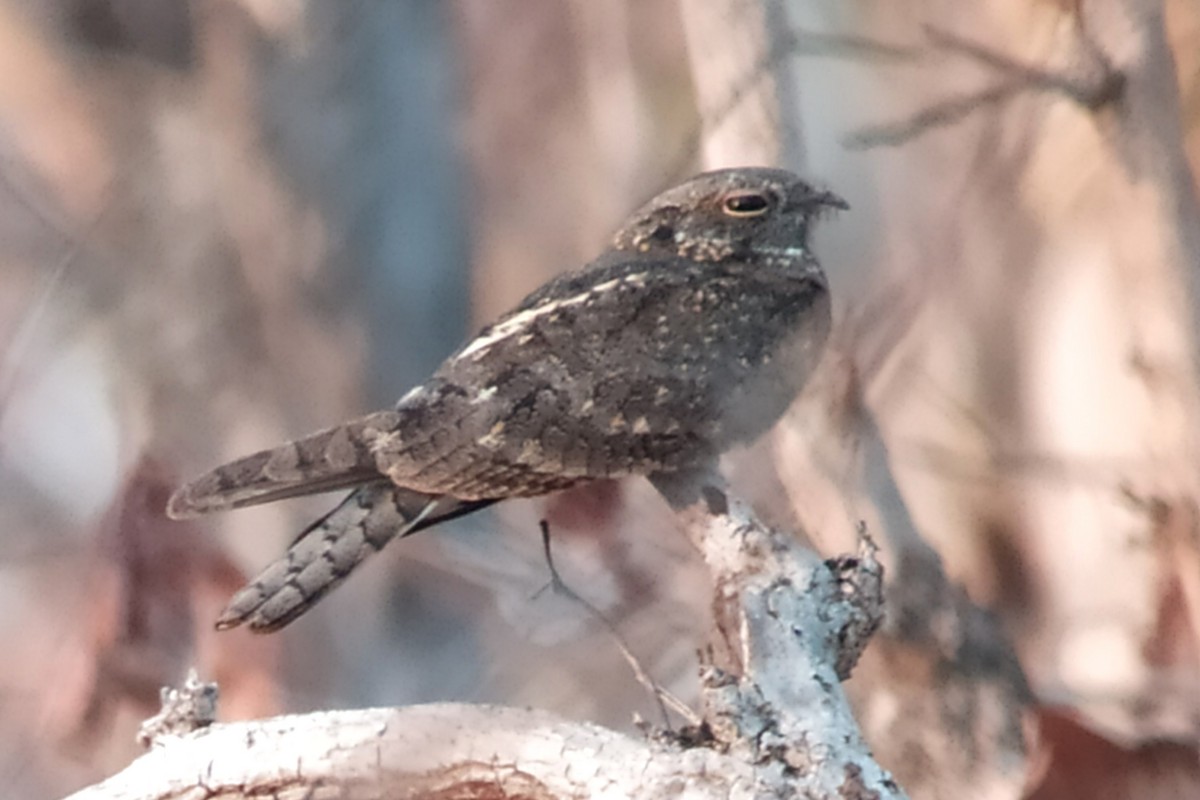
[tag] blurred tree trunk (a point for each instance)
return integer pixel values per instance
(1037, 389)
(201, 195)
(1071, 358)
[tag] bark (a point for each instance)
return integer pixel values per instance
(444, 750)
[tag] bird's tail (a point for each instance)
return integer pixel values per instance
(337, 458)
(329, 550)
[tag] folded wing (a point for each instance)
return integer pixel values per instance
(337, 458)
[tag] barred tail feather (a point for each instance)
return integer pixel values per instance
(331, 548)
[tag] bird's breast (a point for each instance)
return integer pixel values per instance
(781, 351)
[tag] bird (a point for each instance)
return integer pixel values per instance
(690, 334)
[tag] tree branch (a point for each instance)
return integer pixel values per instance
(433, 750)
(788, 628)
(775, 722)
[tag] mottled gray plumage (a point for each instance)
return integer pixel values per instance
(692, 333)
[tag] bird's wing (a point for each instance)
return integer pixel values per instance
(613, 371)
(337, 458)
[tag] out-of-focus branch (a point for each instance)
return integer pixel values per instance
(1092, 82)
(1077, 379)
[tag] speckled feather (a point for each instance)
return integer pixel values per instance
(637, 377)
(692, 334)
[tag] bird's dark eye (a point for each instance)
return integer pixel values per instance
(746, 204)
(662, 233)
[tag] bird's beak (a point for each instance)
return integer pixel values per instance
(829, 199)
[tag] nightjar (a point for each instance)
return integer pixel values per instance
(691, 333)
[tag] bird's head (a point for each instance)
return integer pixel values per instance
(747, 213)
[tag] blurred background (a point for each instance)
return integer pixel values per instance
(225, 223)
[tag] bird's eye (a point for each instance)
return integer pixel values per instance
(746, 204)
(662, 233)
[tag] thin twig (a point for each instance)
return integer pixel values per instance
(939, 115)
(662, 697)
(1084, 90)
(13, 358)
(1094, 86)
